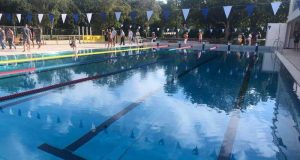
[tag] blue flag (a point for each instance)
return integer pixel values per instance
(250, 9)
(298, 3)
(133, 15)
(8, 17)
(205, 12)
(166, 14)
(29, 18)
(76, 17)
(103, 16)
(51, 18)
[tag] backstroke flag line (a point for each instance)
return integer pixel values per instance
(185, 13)
(227, 10)
(275, 6)
(118, 15)
(149, 15)
(63, 16)
(40, 17)
(19, 16)
(89, 17)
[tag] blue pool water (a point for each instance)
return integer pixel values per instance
(168, 105)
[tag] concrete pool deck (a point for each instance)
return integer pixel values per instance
(291, 60)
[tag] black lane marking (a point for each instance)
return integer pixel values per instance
(231, 131)
(91, 134)
(72, 65)
(59, 85)
(64, 154)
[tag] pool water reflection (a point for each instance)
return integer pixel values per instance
(183, 106)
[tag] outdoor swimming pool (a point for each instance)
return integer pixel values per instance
(150, 104)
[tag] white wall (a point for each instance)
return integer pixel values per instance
(277, 31)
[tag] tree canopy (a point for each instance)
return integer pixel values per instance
(216, 18)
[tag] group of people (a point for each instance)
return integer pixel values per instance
(111, 37)
(27, 38)
(251, 39)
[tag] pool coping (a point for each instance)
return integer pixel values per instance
(292, 69)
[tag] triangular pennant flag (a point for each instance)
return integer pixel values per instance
(19, 16)
(178, 30)
(298, 3)
(185, 13)
(29, 18)
(262, 27)
(63, 17)
(235, 29)
(211, 30)
(51, 18)
(8, 17)
(89, 17)
(133, 15)
(275, 6)
(205, 12)
(223, 30)
(118, 15)
(248, 28)
(76, 17)
(40, 17)
(149, 14)
(0, 16)
(227, 10)
(103, 16)
(166, 14)
(269, 27)
(250, 9)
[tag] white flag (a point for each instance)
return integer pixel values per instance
(0, 16)
(185, 13)
(40, 17)
(227, 10)
(19, 17)
(262, 27)
(223, 30)
(178, 30)
(211, 30)
(89, 17)
(235, 29)
(248, 28)
(118, 15)
(149, 14)
(275, 6)
(64, 16)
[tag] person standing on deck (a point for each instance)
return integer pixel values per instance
(2, 38)
(11, 38)
(186, 37)
(200, 36)
(114, 36)
(32, 35)
(38, 36)
(122, 35)
(130, 36)
(26, 38)
(110, 39)
(154, 37)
